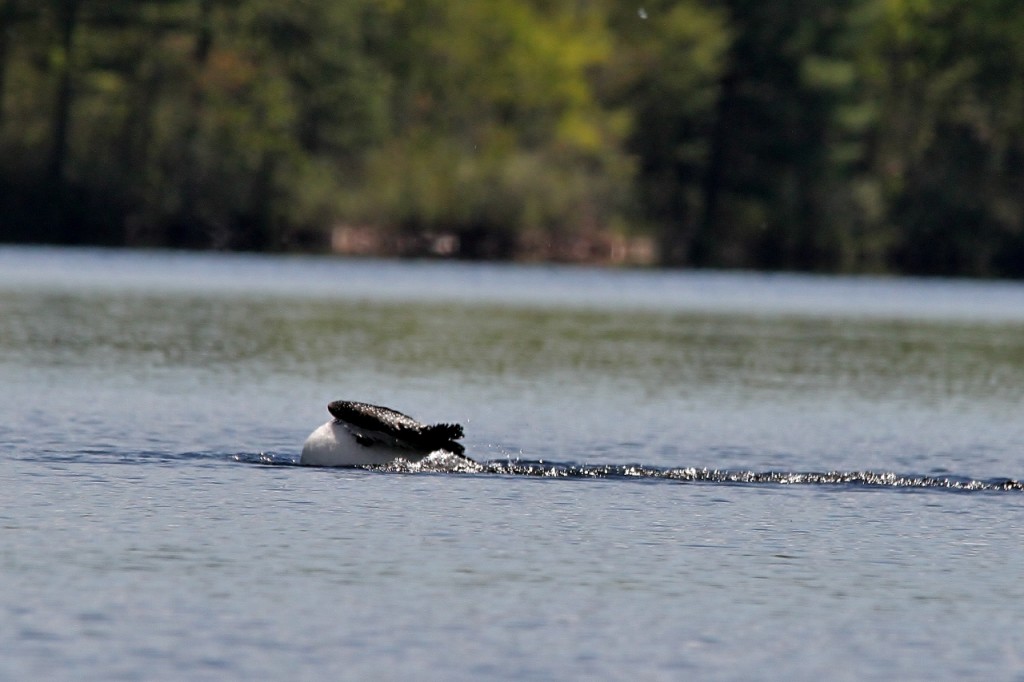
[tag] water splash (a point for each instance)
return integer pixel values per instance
(452, 464)
(695, 475)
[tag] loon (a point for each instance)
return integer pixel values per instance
(362, 434)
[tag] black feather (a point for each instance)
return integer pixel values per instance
(398, 425)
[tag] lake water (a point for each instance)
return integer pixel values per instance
(679, 475)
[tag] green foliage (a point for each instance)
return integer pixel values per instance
(856, 135)
(668, 77)
(496, 126)
(948, 77)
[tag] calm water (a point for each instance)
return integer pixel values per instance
(680, 475)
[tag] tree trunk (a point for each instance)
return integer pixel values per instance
(714, 174)
(6, 19)
(67, 20)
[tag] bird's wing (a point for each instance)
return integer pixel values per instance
(400, 426)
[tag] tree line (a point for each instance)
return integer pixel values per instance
(847, 136)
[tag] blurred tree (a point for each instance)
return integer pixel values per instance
(65, 19)
(12, 13)
(777, 150)
(496, 128)
(669, 73)
(948, 146)
(324, 94)
(856, 135)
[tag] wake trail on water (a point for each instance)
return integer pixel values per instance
(447, 463)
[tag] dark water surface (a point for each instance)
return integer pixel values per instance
(678, 475)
